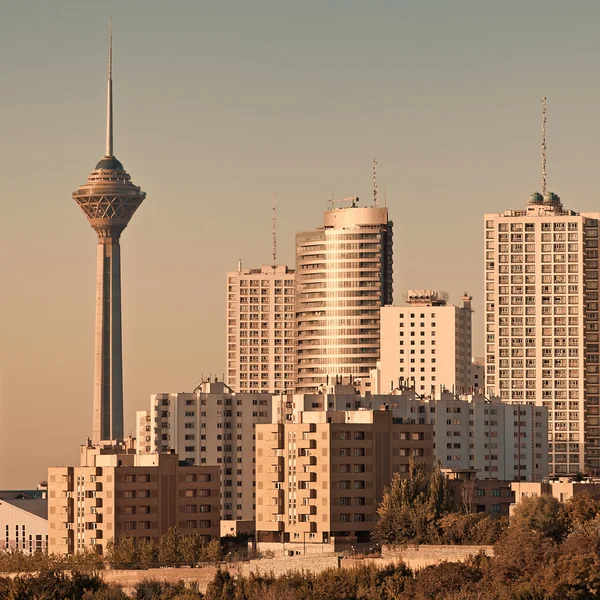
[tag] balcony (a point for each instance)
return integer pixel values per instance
(306, 444)
(307, 509)
(306, 476)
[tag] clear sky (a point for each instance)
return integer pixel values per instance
(216, 105)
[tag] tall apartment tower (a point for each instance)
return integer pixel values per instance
(108, 199)
(261, 330)
(343, 278)
(541, 292)
(426, 345)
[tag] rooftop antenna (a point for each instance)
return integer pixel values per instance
(543, 145)
(385, 195)
(374, 182)
(274, 227)
(109, 108)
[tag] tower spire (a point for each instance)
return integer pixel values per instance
(109, 107)
(274, 227)
(374, 182)
(543, 145)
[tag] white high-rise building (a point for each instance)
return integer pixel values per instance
(261, 330)
(343, 277)
(541, 318)
(210, 426)
(426, 345)
(496, 439)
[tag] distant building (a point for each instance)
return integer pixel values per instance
(321, 478)
(562, 488)
(116, 493)
(426, 345)
(487, 496)
(211, 426)
(471, 432)
(24, 520)
(498, 440)
(343, 277)
(261, 329)
(478, 375)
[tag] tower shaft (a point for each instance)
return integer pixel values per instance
(108, 363)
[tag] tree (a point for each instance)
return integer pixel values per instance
(582, 508)
(146, 553)
(544, 514)
(168, 550)
(191, 549)
(411, 506)
(121, 553)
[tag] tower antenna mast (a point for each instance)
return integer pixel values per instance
(374, 182)
(274, 227)
(543, 145)
(109, 107)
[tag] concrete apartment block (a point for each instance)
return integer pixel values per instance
(541, 319)
(211, 426)
(323, 476)
(261, 329)
(426, 344)
(116, 493)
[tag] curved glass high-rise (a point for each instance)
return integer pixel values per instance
(343, 277)
(108, 199)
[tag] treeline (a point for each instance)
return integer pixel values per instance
(173, 550)
(549, 552)
(420, 508)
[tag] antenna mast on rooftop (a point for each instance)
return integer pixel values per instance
(274, 227)
(374, 182)
(543, 145)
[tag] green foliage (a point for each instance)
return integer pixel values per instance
(169, 553)
(543, 514)
(17, 561)
(412, 506)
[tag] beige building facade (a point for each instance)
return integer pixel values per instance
(321, 478)
(541, 319)
(115, 493)
(210, 426)
(261, 329)
(343, 277)
(426, 345)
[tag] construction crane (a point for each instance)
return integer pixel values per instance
(353, 201)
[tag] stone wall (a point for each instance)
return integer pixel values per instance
(203, 576)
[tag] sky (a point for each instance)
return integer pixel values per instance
(217, 104)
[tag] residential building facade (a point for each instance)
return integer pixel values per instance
(426, 345)
(322, 477)
(541, 319)
(211, 426)
(343, 277)
(261, 330)
(115, 493)
(496, 440)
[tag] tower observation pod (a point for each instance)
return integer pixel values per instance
(108, 199)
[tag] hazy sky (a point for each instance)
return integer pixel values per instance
(217, 104)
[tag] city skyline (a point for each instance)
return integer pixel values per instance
(238, 152)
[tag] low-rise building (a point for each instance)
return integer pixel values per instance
(23, 521)
(488, 496)
(322, 477)
(562, 488)
(116, 493)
